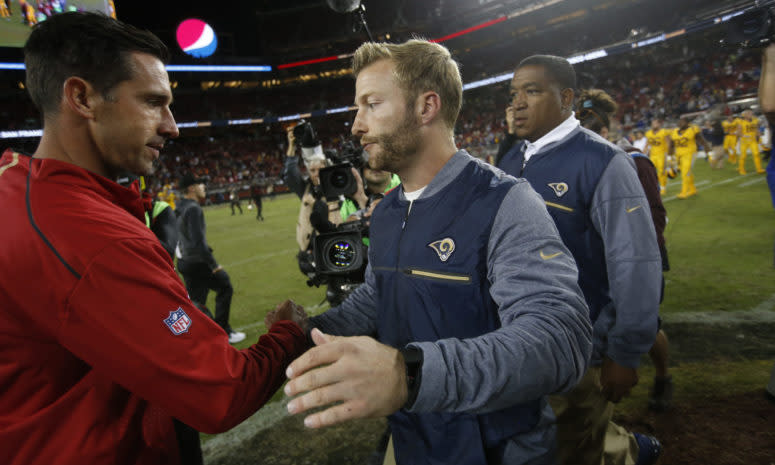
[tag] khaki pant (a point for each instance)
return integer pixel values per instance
(585, 433)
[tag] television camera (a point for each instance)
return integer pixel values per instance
(753, 29)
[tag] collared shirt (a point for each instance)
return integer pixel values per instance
(559, 132)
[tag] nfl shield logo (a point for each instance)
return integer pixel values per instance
(178, 322)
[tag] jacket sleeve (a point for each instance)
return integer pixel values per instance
(196, 376)
(647, 175)
(194, 222)
(292, 176)
(545, 340)
(620, 214)
(356, 316)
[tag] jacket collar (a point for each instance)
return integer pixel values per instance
(68, 174)
(446, 175)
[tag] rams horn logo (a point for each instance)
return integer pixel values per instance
(559, 188)
(444, 248)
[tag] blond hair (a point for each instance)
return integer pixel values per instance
(419, 66)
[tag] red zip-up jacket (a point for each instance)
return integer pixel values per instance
(100, 345)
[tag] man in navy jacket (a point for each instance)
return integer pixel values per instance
(592, 191)
(470, 313)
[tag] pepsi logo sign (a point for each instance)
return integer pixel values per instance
(196, 38)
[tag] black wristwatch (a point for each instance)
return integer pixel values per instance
(413, 360)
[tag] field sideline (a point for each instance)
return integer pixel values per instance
(720, 244)
(721, 252)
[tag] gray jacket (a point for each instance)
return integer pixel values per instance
(192, 242)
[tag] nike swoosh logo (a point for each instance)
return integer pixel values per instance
(550, 256)
(630, 210)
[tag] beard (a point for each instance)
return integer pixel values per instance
(398, 146)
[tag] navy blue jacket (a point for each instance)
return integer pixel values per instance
(477, 278)
(592, 191)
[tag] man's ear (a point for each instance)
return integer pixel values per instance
(431, 106)
(80, 97)
(566, 97)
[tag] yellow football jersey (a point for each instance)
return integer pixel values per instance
(750, 128)
(685, 141)
(657, 140)
(730, 127)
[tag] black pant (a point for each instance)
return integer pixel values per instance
(257, 201)
(237, 203)
(188, 444)
(199, 280)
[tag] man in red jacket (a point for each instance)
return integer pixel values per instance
(100, 346)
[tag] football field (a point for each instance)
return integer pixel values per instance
(720, 244)
(721, 253)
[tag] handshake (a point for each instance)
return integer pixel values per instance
(288, 310)
(356, 377)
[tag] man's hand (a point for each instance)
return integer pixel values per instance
(217, 269)
(291, 142)
(288, 310)
(360, 192)
(616, 380)
(366, 379)
(510, 120)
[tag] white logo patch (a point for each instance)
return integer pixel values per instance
(443, 248)
(559, 188)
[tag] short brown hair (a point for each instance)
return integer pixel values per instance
(89, 45)
(419, 66)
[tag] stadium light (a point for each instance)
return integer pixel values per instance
(579, 58)
(187, 68)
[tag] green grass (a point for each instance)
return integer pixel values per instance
(696, 381)
(721, 252)
(720, 243)
(260, 257)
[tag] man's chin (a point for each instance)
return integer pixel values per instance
(522, 133)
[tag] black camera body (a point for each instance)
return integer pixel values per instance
(339, 180)
(305, 134)
(753, 29)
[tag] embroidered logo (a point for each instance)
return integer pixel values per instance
(443, 248)
(178, 322)
(630, 210)
(549, 256)
(559, 188)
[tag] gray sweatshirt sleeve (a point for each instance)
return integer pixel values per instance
(292, 176)
(356, 316)
(545, 340)
(620, 213)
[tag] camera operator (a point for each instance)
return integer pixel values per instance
(360, 205)
(325, 214)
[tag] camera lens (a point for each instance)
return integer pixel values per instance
(339, 179)
(341, 254)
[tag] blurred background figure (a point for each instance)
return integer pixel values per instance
(201, 272)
